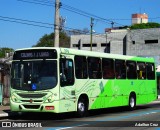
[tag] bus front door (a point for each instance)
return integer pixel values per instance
(67, 87)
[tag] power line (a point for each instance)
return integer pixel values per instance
(25, 20)
(71, 9)
(68, 29)
(33, 23)
(36, 2)
(49, 25)
(14, 21)
(78, 11)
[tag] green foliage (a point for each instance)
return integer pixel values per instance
(48, 40)
(5, 50)
(145, 26)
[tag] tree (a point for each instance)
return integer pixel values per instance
(145, 25)
(5, 50)
(48, 40)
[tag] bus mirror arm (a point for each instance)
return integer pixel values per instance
(62, 77)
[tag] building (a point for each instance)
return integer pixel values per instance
(102, 43)
(139, 18)
(139, 42)
(144, 42)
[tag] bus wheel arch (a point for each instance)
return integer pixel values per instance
(82, 105)
(132, 101)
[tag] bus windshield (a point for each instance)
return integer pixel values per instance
(34, 75)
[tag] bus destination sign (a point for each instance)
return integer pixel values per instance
(35, 54)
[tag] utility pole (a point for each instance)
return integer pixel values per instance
(112, 23)
(91, 33)
(56, 23)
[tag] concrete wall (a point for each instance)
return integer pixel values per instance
(115, 39)
(135, 42)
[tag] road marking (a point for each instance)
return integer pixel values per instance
(120, 118)
(62, 128)
(129, 116)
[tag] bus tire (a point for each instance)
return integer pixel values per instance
(132, 102)
(82, 108)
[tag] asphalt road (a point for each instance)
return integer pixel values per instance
(144, 117)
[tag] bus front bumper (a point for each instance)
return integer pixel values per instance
(33, 107)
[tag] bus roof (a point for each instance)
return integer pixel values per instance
(104, 55)
(70, 51)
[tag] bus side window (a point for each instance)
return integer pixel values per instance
(120, 69)
(108, 68)
(150, 71)
(141, 70)
(94, 68)
(131, 70)
(66, 72)
(81, 67)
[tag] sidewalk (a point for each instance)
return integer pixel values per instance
(5, 110)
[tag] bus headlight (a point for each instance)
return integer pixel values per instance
(14, 98)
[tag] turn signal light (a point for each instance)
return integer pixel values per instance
(49, 107)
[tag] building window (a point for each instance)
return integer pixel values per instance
(89, 45)
(103, 44)
(151, 41)
(133, 42)
(75, 45)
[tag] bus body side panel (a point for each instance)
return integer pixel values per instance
(117, 92)
(151, 90)
(110, 96)
(67, 102)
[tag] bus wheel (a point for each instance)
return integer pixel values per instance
(132, 102)
(82, 108)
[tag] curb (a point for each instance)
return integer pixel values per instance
(4, 114)
(8, 114)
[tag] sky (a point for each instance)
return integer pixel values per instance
(14, 34)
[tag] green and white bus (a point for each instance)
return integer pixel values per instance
(61, 80)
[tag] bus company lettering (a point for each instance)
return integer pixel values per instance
(43, 54)
(26, 54)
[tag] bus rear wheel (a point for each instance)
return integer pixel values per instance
(82, 108)
(132, 102)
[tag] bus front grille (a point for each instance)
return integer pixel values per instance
(33, 100)
(29, 95)
(31, 106)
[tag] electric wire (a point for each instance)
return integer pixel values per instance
(49, 25)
